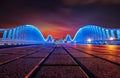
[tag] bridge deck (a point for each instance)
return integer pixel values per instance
(60, 61)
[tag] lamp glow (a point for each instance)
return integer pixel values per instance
(111, 38)
(89, 40)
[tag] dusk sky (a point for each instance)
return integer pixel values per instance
(60, 17)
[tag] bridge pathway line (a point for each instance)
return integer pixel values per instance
(59, 65)
(99, 67)
(20, 67)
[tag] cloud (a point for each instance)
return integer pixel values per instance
(84, 2)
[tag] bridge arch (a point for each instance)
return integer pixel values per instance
(49, 39)
(95, 34)
(23, 33)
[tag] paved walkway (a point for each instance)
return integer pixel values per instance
(60, 61)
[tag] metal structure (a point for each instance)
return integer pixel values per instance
(30, 34)
(24, 34)
(68, 39)
(97, 35)
(49, 39)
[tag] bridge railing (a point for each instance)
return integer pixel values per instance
(17, 42)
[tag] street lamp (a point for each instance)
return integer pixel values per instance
(111, 38)
(89, 40)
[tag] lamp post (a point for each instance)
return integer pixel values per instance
(89, 40)
(111, 39)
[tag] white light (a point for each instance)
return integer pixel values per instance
(89, 40)
(111, 38)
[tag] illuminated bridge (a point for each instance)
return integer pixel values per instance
(30, 34)
(24, 34)
(60, 60)
(96, 34)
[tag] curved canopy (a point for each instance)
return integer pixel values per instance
(24, 32)
(94, 33)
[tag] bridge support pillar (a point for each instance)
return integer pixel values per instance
(13, 35)
(20, 34)
(93, 31)
(104, 34)
(5, 34)
(17, 30)
(108, 35)
(96, 34)
(118, 34)
(9, 34)
(100, 34)
(112, 33)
